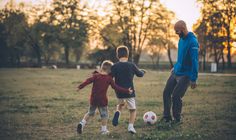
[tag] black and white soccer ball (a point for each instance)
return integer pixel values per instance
(149, 117)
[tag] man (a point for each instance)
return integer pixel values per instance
(185, 72)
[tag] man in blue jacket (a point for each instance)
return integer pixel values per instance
(185, 72)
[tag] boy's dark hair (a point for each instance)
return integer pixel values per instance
(122, 51)
(106, 65)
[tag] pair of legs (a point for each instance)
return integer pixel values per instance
(104, 116)
(132, 110)
(174, 91)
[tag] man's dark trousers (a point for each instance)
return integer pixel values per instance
(175, 89)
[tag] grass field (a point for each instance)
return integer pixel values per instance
(43, 104)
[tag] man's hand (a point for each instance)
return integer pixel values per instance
(193, 85)
(130, 91)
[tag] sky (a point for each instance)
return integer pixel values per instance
(187, 10)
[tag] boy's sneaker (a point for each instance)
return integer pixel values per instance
(79, 128)
(132, 130)
(116, 118)
(106, 132)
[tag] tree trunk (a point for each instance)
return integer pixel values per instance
(228, 48)
(153, 63)
(204, 58)
(223, 61)
(158, 60)
(38, 54)
(216, 57)
(66, 50)
(136, 58)
(169, 56)
(18, 59)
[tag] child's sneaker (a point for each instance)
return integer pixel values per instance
(79, 128)
(106, 132)
(132, 130)
(116, 118)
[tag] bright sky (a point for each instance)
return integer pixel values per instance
(187, 10)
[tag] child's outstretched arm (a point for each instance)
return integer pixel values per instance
(86, 82)
(138, 72)
(120, 89)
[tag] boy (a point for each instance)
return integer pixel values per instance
(98, 99)
(123, 72)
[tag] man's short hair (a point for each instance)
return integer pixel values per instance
(122, 51)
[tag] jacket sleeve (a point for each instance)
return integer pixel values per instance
(118, 88)
(194, 59)
(86, 82)
(137, 72)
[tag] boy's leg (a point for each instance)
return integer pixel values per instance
(170, 85)
(86, 117)
(132, 110)
(178, 93)
(104, 116)
(115, 120)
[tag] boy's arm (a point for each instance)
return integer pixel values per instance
(86, 82)
(118, 88)
(138, 72)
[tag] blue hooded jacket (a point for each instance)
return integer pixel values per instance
(187, 60)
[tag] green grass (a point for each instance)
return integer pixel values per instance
(43, 104)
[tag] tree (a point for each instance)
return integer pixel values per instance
(223, 12)
(133, 21)
(201, 30)
(163, 32)
(13, 24)
(72, 30)
(155, 49)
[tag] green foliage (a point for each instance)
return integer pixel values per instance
(13, 25)
(215, 28)
(98, 56)
(42, 41)
(72, 30)
(133, 23)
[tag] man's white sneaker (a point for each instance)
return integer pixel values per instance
(106, 132)
(131, 130)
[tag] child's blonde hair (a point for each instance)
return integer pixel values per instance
(106, 66)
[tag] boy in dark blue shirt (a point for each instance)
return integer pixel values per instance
(123, 72)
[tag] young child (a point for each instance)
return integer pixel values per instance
(123, 72)
(98, 99)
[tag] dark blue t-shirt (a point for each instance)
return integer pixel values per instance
(124, 72)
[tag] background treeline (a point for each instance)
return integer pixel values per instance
(61, 32)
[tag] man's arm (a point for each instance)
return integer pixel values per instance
(194, 58)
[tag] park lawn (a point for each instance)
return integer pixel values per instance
(44, 104)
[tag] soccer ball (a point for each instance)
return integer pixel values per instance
(149, 117)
